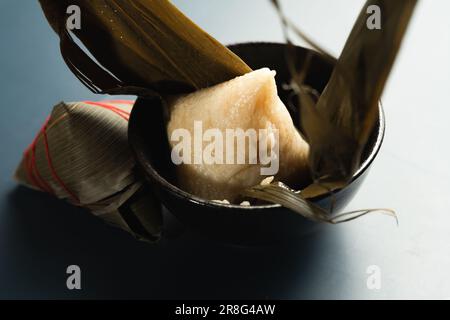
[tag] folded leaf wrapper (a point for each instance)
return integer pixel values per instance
(81, 154)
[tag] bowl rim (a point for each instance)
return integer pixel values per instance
(149, 169)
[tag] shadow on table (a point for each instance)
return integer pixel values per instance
(45, 235)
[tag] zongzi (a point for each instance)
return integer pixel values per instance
(81, 154)
(231, 136)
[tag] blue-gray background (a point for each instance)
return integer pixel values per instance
(40, 236)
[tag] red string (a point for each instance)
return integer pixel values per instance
(122, 113)
(131, 102)
(30, 161)
(52, 168)
(31, 168)
(30, 173)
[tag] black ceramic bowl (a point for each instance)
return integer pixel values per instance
(233, 223)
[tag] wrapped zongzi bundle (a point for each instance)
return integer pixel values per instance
(249, 131)
(81, 154)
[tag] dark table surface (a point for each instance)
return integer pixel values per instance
(41, 236)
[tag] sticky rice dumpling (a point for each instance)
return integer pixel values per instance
(81, 154)
(213, 130)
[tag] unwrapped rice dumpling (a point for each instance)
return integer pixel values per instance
(245, 109)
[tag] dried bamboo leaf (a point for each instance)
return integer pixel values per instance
(339, 125)
(289, 25)
(140, 45)
(279, 193)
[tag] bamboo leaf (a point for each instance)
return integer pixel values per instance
(338, 125)
(139, 46)
(348, 108)
(279, 193)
